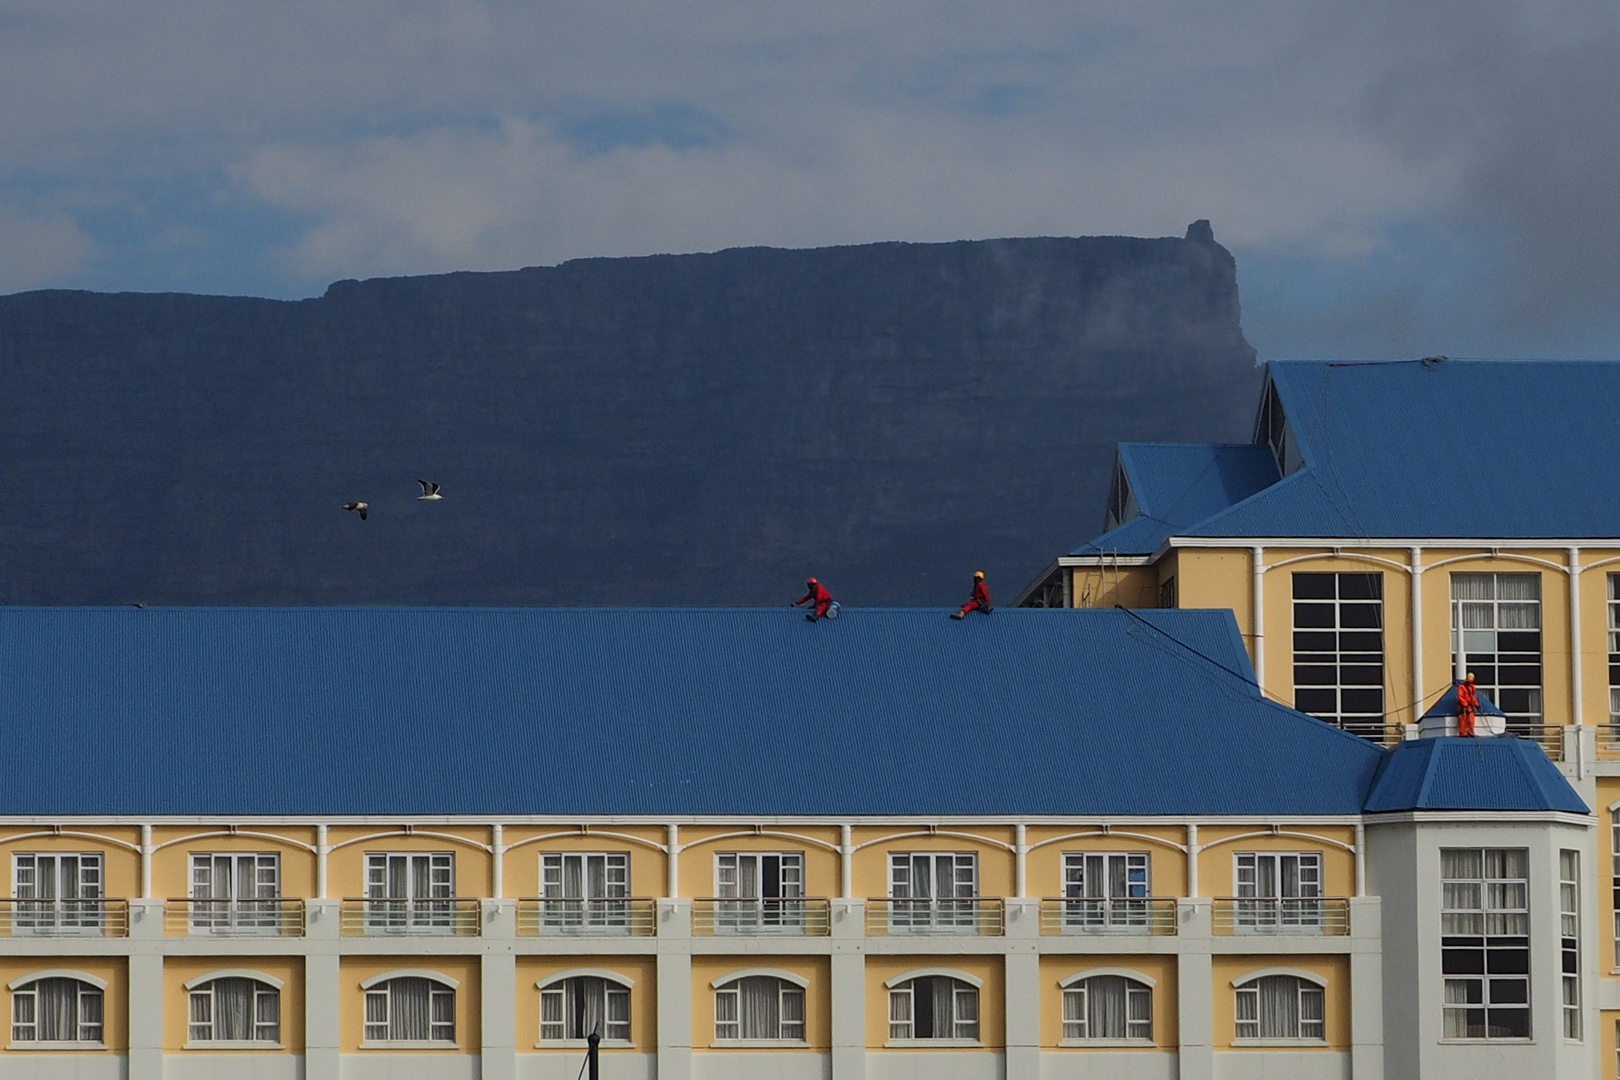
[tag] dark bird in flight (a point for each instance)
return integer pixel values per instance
(430, 492)
(359, 508)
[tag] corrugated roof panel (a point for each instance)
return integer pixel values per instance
(1455, 773)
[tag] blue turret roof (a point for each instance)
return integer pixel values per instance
(1452, 773)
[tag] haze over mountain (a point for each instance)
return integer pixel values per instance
(664, 430)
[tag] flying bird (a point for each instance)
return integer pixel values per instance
(430, 492)
(359, 508)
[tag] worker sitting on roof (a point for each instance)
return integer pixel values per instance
(1467, 705)
(819, 599)
(980, 600)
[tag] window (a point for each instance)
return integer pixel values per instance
(585, 890)
(58, 893)
(1107, 1007)
(1500, 615)
(411, 1008)
(1167, 593)
(235, 1009)
(410, 891)
(56, 1010)
(762, 889)
(1614, 661)
(933, 890)
(578, 1006)
(1339, 650)
(934, 1007)
(1485, 943)
(1121, 503)
(759, 1007)
(1279, 1007)
(1569, 929)
(235, 892)
(1105, 889)
(1271, 428)
(1277, 889)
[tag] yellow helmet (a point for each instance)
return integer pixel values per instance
(978, 573)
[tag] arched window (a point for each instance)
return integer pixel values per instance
(574, 1007)
(56, 1008)
(1107, 1007)
(410, 1008)
(235, 1008)
(933, 1007)
(1279, 1007)
(759, 1007)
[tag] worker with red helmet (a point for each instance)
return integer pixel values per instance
(1467, 705)
(817, 596)
(980, 600)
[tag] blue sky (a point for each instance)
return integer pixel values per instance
(1394, 178)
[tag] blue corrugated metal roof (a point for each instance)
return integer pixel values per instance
(1177, 485)
(1447, 705)
(668, 711)
(1471, 774)
(1486, 449)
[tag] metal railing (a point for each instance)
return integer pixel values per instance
(1324, 916)
(977, 915)
(270, 917)
(1067, 915)
(64, 918)
(718, 916)
(1550, 737)
(1608, 742)
(626, 917)
(363, 917)
(1379, 732)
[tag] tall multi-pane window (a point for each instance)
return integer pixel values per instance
(759, 888)
(1485, 942)
(759, 1007)
(933, 889)
(409, 891)
(585, 889)
(1107, 1007)
(1500, 616)
(58, 892)
(934, 1007)
(575, 1008)
(1105, 889)
(1614, 654)
(235, 892)
(1339, 650)
(1569, 935)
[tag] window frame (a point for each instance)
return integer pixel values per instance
(791, 998)
(1308, 987)
(1458, 949)
(1491, 663)
(25, 990)
(553, 991)
(902, 992)
(1075, 998)
(1569, 929)
(56, 914)
(1347, 673)
(380, 989)
(203, 988)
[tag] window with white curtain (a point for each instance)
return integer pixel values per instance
(411, 1009)
(56, 1010)
(410, 890)
(235, 891)
(934, 1007)
(578, 1006)
(1485, 942)
(1609, 738)
(1108, 1007)
(1500, 616)
(759, 1007)
(1279, 1007)
(929, 890)
(585, 889)
(235, 1009)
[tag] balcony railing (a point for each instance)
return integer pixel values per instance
(1309, 917)
(626, 917)
(1608, 742)
(775, 917)
(1550, 737)
(270, 917)
(405, 918)
(985, 917)
(1065, 915)
(64, 918)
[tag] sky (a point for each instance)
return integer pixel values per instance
(1394, 178)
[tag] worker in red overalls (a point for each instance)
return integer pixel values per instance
(1467, 706)
(817, 596)
(980, 600)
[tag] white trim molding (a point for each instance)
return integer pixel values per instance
(748, 973)
(585, 973)
(1263, 973)
(410, 973)
(918, 973)
(57, 973)
(235, 973)
(1126, 973)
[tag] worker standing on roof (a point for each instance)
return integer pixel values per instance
(1467, 706)
(980, 600)
(819, 599)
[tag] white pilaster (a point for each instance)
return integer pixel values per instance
(848, 1016)
(323, 994)
(1361, 859)
(322, 850)
(846, 860)
(672, 843)
(1416, 555)
(497, 858)
(675, 988)
(146, 1008)
(1258, 605)
(1023, 975)
(1195, 1003)
(146, 862)
(497, 1024)
(1020, 860)
(1192, 860)
(1575, 636)
(1366, 989)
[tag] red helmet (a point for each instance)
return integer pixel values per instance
(809, 581)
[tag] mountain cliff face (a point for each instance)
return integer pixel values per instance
(668, 430)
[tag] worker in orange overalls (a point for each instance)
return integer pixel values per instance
(980, 600)
(817, 596)
(1467, 706)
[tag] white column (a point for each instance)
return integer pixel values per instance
(1258, 605)
(323, 1001)
(848, 1016)
(675, 992)
(1366, 1015)
(498, 1016)
(146, 862)
(1416, 577)
(497, 853)
(846, 860)
(322, 850)
(1192, 860)
(1020, 861)
(1361, 859)
(1195, 976)
(672, 841)
(1023, 970)
(146, 1013)
(1575, 636)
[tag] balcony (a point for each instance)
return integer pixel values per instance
(363, 917)
(269, 917)
(716, 916)
(64, 918)
(1608, 742)
(974, 916)
(1288, 917)
(1147, 917)
(619, 917)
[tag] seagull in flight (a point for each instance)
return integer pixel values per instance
(359, 508)
(430, 492)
